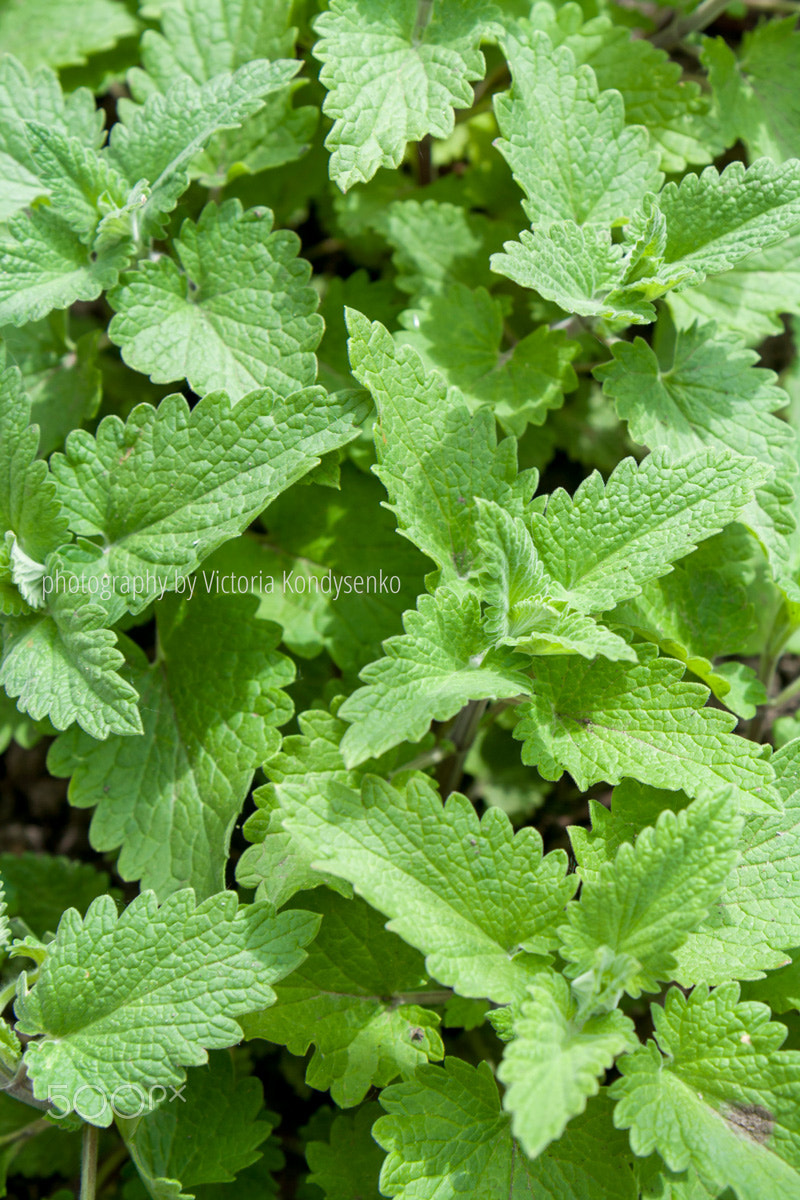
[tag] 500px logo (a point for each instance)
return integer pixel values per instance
(127, 1100)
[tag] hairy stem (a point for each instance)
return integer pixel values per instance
(680, 27)
(462, 735)
(89, 1163)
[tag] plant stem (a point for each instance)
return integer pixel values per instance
(424, 161)
(89, 1163)
(435, 997)
(789, 692)
(462, 735)
(680, 27)
(27, 1131)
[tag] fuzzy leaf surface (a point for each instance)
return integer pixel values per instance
(605, 721)
(480, 903)
(170, 485)
(129, 998)
(210, 705)
(715, 1092)
(235, 315)
(346, 1000)
(392, 77)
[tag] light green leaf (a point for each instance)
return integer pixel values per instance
(749, 299)
(60, 374)
(126, 1001)
(651, 85)
(66, 34)
(208, 1135)
(715, 220)
(238, 313)
(202, 40)
(577, 267)
(567, 143)
(522, 610)
(608, 539)
(447, 1137)
(437, 243)
(604, 721)
(63, 664)
(716, 1094)
(394, 73)
(210, 705)
(278, 864)
(330, 579)
(158, 141)
(552, 1066)
(459, 332)
(347, 999)
(754, 90)
(752, 925)
(29, 506)
(159, 515)
(434, 456)
(706, 392)
(704, 610)
(44, 265)
(480, 903)
(654, 893)
(444, 659)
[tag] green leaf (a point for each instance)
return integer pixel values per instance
(159, 515)
(29, 506)
(752, 925)
(202, 40)
(749, 299)
(158, 141)
(347, 999)
(525, 610)
(279, 865)
(651, 84)
(654, 893)
(706, 392)
(567, 143)
(443, 660)
(441, 887)
(704, 610)
(40, 886)
(207, 1135)
(437, 243)
(349, 1163)
(754, 91)
(552, 1066)
(210, 705)
(60, 374)
(44, 265)
(603, 721)
(236, 315)
(434, 456)
(716, 1094)
(64, 664)
(714, 220)
(39, 33)
(459, 332)
(608, 539)
(577, 267)
(126, 1001)
(447, 1136)
(394, 73)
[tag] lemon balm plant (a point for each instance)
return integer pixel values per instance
(399, 558)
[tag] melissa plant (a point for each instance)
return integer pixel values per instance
(399, 557)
